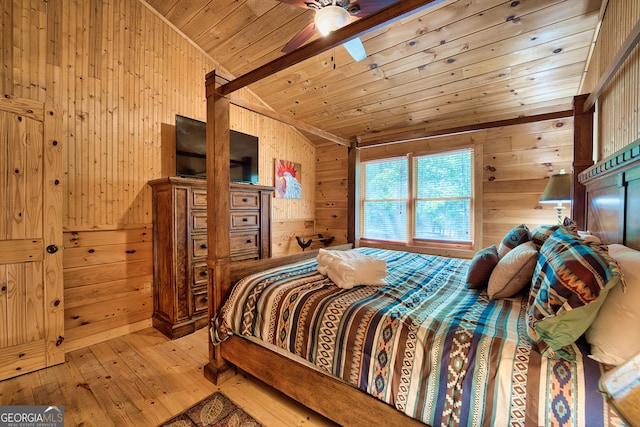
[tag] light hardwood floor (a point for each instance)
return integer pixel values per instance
(143, 379)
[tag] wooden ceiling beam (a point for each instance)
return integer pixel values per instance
(410, 134)
(239, 102)
(362, 26)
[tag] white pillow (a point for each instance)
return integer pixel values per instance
(614, 335)
(513, 272)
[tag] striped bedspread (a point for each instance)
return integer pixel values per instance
(426, 344)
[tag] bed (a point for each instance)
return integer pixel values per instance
(425, 343)
(434, 351)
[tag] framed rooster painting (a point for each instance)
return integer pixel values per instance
(288, 179)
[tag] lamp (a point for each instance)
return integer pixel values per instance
(330, 18)
(558, 191)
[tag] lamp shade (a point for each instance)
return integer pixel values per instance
(330, 18)
(558, 189)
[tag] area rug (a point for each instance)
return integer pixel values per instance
(216, 410)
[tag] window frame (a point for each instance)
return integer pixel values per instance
(363, 200)
(412, 199)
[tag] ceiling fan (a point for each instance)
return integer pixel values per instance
(332, 15)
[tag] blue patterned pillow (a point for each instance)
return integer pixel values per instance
(541, 233)
(570, 225)
(570, 282)
(515, 236)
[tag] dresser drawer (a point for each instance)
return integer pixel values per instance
(244, 200)
(242, 242)
(198, 220)
(245, 256)
(245, 219)
(199, 198)
(200, 273)
(200, 300)
(200, 246)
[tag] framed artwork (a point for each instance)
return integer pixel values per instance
(288, 179)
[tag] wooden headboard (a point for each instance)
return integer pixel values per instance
(613, 197)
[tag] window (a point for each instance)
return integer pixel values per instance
(418, 199)
(384, 194)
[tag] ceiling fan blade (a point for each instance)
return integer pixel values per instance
(355, 49)
(305, 34)
(354, 46)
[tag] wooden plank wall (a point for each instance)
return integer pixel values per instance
(117, 71)
(108, 284)
(618, 108)
(290, 217)
(518, 161)
(516, 164)
(331, 192)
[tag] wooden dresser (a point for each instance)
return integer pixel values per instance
(250, 222)
(180, 246)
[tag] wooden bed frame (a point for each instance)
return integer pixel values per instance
(324, 394)
(613, 197)
(606, 202)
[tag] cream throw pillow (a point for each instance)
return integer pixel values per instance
(513, 272)
(614, 335)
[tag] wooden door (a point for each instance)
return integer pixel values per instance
(31, 285)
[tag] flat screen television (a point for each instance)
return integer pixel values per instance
(191, 151)
(243, 156)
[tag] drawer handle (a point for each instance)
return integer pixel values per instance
(203, 246)
(245, 200)
(204, 273)
(205, 299)
(245, 219)
(249, 241)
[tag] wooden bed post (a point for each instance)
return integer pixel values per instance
(218, 257)
(582, 157)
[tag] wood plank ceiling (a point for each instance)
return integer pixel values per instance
(458, 63)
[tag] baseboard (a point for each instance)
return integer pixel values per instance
(106, 335)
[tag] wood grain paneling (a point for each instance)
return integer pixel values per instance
(452, 63)
(331, 192)
(284, 234)
(516, 163)
(518, 160)
(144, 379)
(118, 71)
(108, 283)
(618, 107)
(31, 286)
(280, 141)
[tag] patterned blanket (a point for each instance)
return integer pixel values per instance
(437, 351)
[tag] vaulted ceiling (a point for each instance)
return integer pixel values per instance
(456, 63)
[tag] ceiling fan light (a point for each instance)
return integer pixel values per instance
(330, 18)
